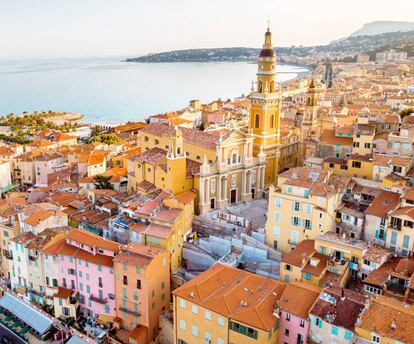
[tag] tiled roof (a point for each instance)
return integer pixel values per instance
(376, 253)
(158, 231)
(383, 203)
(379, 276)
(389, 318)
(167, 214)
(339, 239)
(159, 129)
(235, 294)
(298, 298)
(200, 138)
(387, 160)
(92, 240)
(328, 137)
(303, 250)
(404, 211)
(342, 312)
(192, 168)
(153, 156)
(185, 197)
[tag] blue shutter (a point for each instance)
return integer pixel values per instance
(394, 238)
(406, 241)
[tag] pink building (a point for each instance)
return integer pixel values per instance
(295, 304)
(86, 265)
(46, 164)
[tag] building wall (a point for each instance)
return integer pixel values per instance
(324, 333)
(294, 327)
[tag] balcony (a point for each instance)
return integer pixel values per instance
(98, 300)
(338, 266)
(129, 311)
(35, 292)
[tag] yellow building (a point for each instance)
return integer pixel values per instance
(66, 304)
(346, 254)
(306, 264)
(265, 102)
(225, 305)
(302, 206)
(162, 224)
(363, 139)
(219, 165)
(358, 166)
(386, 321)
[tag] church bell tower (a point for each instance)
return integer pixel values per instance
(265, 101)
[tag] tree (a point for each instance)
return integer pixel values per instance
(406, 112)
(96, 130)
(107, 139)
(102, 182)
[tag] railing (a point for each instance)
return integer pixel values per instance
(35, 292)
(98, 300)
(338, 266)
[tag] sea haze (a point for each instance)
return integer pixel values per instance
(107, 90)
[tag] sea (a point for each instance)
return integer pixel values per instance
(107, 90)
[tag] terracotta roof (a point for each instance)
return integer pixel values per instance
(158, 231)
(409, 193)
(185, 197)
(200, 138)
(63, 293)
(389, 318)
(23, 238)
(140, 255)
(153, 156)
(192, 168)
(159, 129)
(304, 249)
(41, 215)
(167, 214)
(97, 157)
(383, 203)
(92, 240)
(328, 137)
(236, 294)
(376, 253)
(404, 211)
(317, 264)
(342, 312)
(379, 276)
(298, 298)
(386, 160)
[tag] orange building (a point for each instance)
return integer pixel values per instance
(142, 289)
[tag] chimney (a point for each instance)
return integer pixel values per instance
(342, 294)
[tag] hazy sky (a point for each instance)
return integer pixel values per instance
(39, 28)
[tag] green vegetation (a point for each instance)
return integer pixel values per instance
(107, 139)
(28, 124)
(15, 139)
(102, 182)
(406, 112)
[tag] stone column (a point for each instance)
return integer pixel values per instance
(218, 189)
(207, 193)
(225, 189)
(262, 178)
(243, 191)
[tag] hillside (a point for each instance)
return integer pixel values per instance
(345, 48)
(380, 27)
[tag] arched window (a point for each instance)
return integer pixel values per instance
(260, 86)
(234, 158)
(256, 121)
(272, 121)
(156, 142)
(146, 138)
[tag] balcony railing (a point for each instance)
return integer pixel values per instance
(338, 266)
(35, 292)
(98, 299)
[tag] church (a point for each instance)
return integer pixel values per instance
(225, 166)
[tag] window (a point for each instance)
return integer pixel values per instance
(302, 323)
(296, 206)
(308, 224)
(182, 303)
(278, 202)
(277, 216)
(356, 164)
(318, 322)
(220, 340)
(194, 330)
(397, 169)
(138, 284)
(220, 321)
(257, 121)
(334, 330)
(276, 231)
(348, 335)
(287, 267)
(286, 332)
(307, 275)
(287, 316)
(182, 325)
(207, 315)
(295, 221)
(367, 145)
(163, 285)
(344, 167)
(125, 280)
(194, 309)
(376, 339)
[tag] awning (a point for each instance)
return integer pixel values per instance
(30, 316)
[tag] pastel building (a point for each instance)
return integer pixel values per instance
(225, 305)
(85, 263)
(142, 289)
(302, 206)
(295, 304)
(334, 315)
(46, 164)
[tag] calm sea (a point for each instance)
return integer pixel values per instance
(107, 90)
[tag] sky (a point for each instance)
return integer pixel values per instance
(82, 28)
